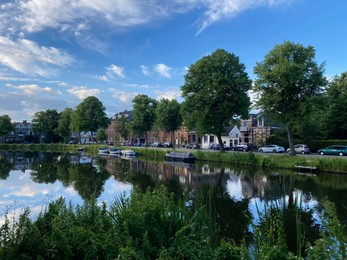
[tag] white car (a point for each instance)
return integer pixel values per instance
(271, 148)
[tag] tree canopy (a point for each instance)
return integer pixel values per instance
(215, 91)
(5, 125)
(89, 115)
(144, 114)
(168, 115)
(122, 126)
(287, 79)
(45, 123)
(336, 117)
(64, 122)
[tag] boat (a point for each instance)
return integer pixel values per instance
(180, 157)
(128, 153)
(114, 151)
(103, 151)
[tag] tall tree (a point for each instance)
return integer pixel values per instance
(45, 123)
(287, 80)
(122, 126)
(89, 115)
(64, 122)
(215, 91)
(6, 126)
(336, 117)
(144, 114)
(168, 116)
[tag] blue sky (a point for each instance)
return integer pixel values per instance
(55, 53)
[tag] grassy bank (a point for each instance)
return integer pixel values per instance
(264, 161)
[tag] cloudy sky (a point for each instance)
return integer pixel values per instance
(55, 53)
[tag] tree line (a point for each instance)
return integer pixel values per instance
(289, 88)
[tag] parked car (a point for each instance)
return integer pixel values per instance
(138, 145)
(334, 150)
(271, 148)
(300, 148)
(193, 146)
(156, 144)
(241, 147)
(167, 144)
(215, 147)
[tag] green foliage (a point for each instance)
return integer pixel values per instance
(101, 135)
(215, 91)
(64, 123)
(5, 125)
(144, 114)
(287, 80)
(45, 124)
(336, 117)
(333, 244)
(153, 225)
(89, 115)
(122, 126)
(168, 115)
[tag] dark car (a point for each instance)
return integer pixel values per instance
(138, 145)
(340, 150)
(215, 147)
(193, 146)
(167, 144)
(241, 147)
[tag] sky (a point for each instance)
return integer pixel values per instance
(56, 53)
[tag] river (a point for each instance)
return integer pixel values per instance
(34, 179)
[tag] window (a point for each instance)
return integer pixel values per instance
(205, 139)
(211, 138)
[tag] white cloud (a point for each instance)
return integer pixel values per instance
(163, 70)
(33, 89)
(80, 16)
(145, 70)
(217, 10)
(27, 57)
(169, 94)
(123, 96)
(102, 78)
(116, 70)
(83, 92)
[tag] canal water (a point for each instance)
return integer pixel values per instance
(34, 179)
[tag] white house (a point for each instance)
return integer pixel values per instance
(230, 137)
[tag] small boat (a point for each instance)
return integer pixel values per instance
(181, 157)
(114, 151)
(128, 153)
(103, 150)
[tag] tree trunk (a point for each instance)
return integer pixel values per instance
(290, 140)
(219, 137)
(172, 139)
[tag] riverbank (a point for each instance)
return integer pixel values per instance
(263, 161)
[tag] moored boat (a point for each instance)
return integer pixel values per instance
(181, 157)
(114, 151)
(128, 153)
(103, 150)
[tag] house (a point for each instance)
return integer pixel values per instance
(256, 129)
(22, 129)
(230, 137)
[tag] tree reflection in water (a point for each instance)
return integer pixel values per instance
(232, 213)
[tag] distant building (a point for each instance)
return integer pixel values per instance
(255, 129)
(230, 137)
(22, 130)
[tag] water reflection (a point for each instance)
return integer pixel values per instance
(33, 179)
